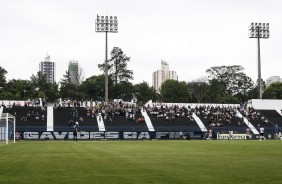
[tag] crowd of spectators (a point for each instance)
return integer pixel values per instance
(252, 115)
(219, 116)
(28, 103)
(34, 112)
(37, 115)
(170, 112)
(105, 110)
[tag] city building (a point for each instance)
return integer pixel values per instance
(48, 69)
(272, 79)
(162, 75)
(73, 71)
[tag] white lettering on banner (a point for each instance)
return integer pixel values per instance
(235, 136)
(83, 135)
(97, 135)
(172, 135)
(159, 135)
(176, 135)
(144, 135)
(70, 135)
(31, 135)
(58, 135)
(111, 135)
(129, 135)
(46, 135)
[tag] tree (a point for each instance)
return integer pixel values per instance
(232, 79)
(215, 93)
(93, 87)
(4, 95)
(43, 88)
(197, 89)
(144, 93)
(39, 80)
(175, 91)
(117, 66)
(68, 89)
(20, 89)
(3, 72)
(122, 90)
(274, 91)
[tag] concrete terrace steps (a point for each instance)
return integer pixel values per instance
(200, 123)
(101, 124)
(148, 121)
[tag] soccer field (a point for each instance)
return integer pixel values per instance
(141, 162)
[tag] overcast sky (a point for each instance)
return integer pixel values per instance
(191, 35)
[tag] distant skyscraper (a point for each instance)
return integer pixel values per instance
(73, 70)
(48, 69)
(162, 75)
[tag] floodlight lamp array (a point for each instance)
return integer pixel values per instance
(259, 30)
(106, 24)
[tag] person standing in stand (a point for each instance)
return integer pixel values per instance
(75, 130)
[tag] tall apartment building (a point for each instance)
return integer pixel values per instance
(162, 75)
(48, 69)
(272, 79)
(73, 70)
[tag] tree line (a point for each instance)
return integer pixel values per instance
(223, 84)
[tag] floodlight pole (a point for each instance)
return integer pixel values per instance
(107, 24)
(259, 69)
(14, 129)
(259, 30)
(106, 71)
(7, 130)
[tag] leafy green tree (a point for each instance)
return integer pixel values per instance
(3, 72)
(231, 78)
(274, 91)
(94, 87)
(20, 89)
(214, 92)
(68, 89)
(175, 91)
(143, 92)
(122, 90)
(117, 66)
(4, 95)
(39, 80)
(52, 92)
(43, 88)
(197, 90)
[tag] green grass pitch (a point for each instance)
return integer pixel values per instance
(148, 162)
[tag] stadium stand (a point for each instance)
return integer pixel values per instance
(221, 118)
(126, 117)
(273, 116)
(256, 118)
(65, 117)
(172, 118)
(28, 117)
